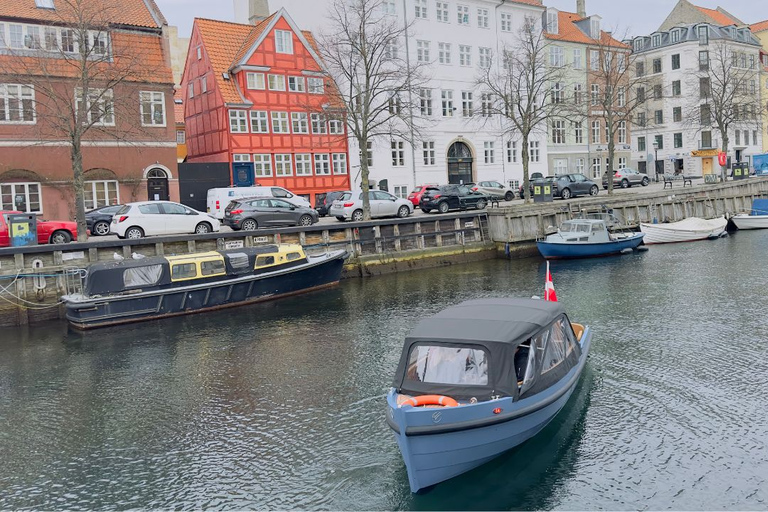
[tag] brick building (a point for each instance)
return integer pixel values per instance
(129, 153)
(257, 93)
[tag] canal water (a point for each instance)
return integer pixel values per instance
(281, 405)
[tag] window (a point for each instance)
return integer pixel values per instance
(152, 108)
(556, 56)
(641, 94)
(303, 164)
(421, 9)
(100, 108)
(241, 157)
(622, 97)
(299, 122)
(577, 58)
(466, 104)
(754, 137)
(486, 104)
(506, 22)
(641, 121)
(485, 58)
(657, 93)
(512, 151)
(44, 4)
(704, 89)
(658, 116)
(594, 26)
(369, 147)
(394, 104)
(183, 271)
(191, 89)
(17, 103)
(678, 143)
(640, 68)
(622, 163)
(656, 40)
(751, 62)
(444, 53)
(315, 85)
(743, 60)
(335, 127)
(401, 191)
(447, 365)
(622, 62)
(203, 84)
(262, 165)
(558, 132)
(181, 137)
(99, 43)
(677, 114)
(596, 132)
(639, 44)
(552, 22)
(283, 165)
(703, 35)
(441, 11)
(659, 140)
(676, 88)
(594, 60)
(24, 197)
(276, 82)
(556, 93)
(447, 100)
(482, 18)
(738, 138)
(280, 122)
(465, 55)
(283, 41)
(339, 163)
(318, 124)
(428, 152)
(533, 151)
(641, 143)
(259, 122)
(296, 83)
(32, 39)
(388, 6)
(595, 94)
(212, 267)
(705, 115)
(597, 164)
(398, 153)
(706, 139)
(578, 133)
(199, 51)
(657, 65)
(488, 152)
(676, 61)
(577, 94)
(391, 49)
(422, 51)
(622, 132)
(463, 14)
(425, 102)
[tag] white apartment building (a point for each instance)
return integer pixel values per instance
(671, 63)
(455, 38)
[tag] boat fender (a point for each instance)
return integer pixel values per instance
(420, 401)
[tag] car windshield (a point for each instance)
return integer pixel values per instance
(417, 189)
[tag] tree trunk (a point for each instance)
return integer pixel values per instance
(609, 169)
(723, 168)
(526, 174)
(78, 185)
(364, 184)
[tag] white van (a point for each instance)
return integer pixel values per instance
(219, 198)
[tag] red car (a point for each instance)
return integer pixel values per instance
(48, 231)
(417, 192)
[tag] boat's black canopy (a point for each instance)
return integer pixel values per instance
(497, 325)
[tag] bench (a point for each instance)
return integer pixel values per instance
(671, 178)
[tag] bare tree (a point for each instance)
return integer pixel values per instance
(528, 93)
(728, 93)
(365, 52)
(82, 75)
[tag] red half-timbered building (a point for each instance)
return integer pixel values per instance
(258, 93)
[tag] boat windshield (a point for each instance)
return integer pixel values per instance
(574, 227)
(448, 365)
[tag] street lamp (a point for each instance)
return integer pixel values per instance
(656, 159)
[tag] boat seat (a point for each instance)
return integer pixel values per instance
(578, 330)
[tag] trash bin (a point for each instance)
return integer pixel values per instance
(740, 170)
(542, 191)
(22, 228)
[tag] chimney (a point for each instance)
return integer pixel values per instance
(581, 8)
(257, 10)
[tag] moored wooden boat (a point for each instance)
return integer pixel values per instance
(586, 238)
(163, 286)
(686, 230)
(503, 368)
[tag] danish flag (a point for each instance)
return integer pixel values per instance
(549, 287)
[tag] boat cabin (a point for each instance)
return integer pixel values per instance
(584, 230)
(489, 348)
(160, 272)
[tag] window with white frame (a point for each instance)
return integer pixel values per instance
(17, 103)
(422, 51)
(482, 18)
(622, 162)
(580, 165)
(594, 60)
(283, 41)
(369, 147)
(466, 104)
(597, 164)
(303, 164)
(578, 133)
(276, 82)
(425, 102)
(388, 6)
(100, 108)
(299, 122)
(556, 56)
(421, 9)
(557, 93)
(594, 26)
(203, 84)
(441, 12)
(489, 153)
(98, 43)
(394, 104)
(428, 152)
(100, 193)
(339, 163)
(552, 22)
(296, 83)
(533, 151)
(622, 132)
(335, 127)
(578, 94)
(322, 164)
(447, 103)
(238, 121)
(595, 132)
(558, 131)
(181, 137)
(241, 157)
(401, 191)
(595, 94)
(315, 85)
(486, 104)
(485, 58)
(512, 151)
(463, 14)
(391, 48)
(191, 90)
(152, 108)
(465, 55)
(283, 165)
(262, 165)
(16, 39)
(23, 197)
(259, 121)
(561, 166)
(318, 124)
(398, 153)
(622, 96)
(199, 51)
(444, 53)
(506, 22)
(280, 122)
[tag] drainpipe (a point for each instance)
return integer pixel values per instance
(501, 120)
(410, 94)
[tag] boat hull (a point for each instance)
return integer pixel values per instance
(679, 232)
(750, 221)
(550, 250)
(320, 272)
(439, 444)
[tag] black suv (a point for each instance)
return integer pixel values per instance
(324, 201)
(451, 197)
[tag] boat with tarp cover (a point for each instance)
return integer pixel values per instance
(480, 378)
(161, 286)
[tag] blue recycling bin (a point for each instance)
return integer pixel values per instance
(22, 228)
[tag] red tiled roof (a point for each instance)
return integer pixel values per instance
(138, 13)
(759, 27)
(568, 31)
(717, 16)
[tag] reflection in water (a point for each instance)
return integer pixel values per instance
(281, 405)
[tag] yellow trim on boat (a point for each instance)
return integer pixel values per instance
(284, 254)
(218, 268)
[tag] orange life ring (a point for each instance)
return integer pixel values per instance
(420, 401)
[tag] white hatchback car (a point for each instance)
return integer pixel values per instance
(383, 204)
(137, 220)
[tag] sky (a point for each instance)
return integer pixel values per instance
(630, 17)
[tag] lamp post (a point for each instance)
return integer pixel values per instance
(656, 159)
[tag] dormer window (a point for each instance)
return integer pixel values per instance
(552, 21)
(703, 33)
(675, 36)
(44, 4)
(638, 44)
(594, 27)
(656, 40)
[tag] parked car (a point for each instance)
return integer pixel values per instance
(383, 204)
(137, 220)
(531, 178)
(627, 177)
(495, 189)
(324, 201)
(98, 220)
(451, 197)
(218, 199)
(48, 231)
(571, 185)
(415, 196)
(252, 213)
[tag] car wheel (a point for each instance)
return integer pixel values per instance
(426, 210)
(101, 228)
(593, 191)
(357, 216)
(340, 219)
(625, 183)
(203, 228)
(509, 196)
(645, 182)
(134, 233)
(305, 220)
(481, 204)
(249, 225)
(566, 193)
(403, 212)
(443, 207)
(61, 237)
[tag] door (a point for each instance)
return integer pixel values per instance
(459, 172)
(261, 211)
(386, 204)
(283, 213)
(466, 198)
(157, 189)
(706, 166)
(179, 219)
(151, 219)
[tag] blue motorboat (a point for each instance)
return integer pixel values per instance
(586, 238)
(478, 379)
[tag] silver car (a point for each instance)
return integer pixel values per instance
(383, 204)
(495, 189)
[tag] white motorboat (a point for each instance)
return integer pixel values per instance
(687, 230)
(756, 219)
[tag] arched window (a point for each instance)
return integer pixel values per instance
(459, 150)
(157, 173)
